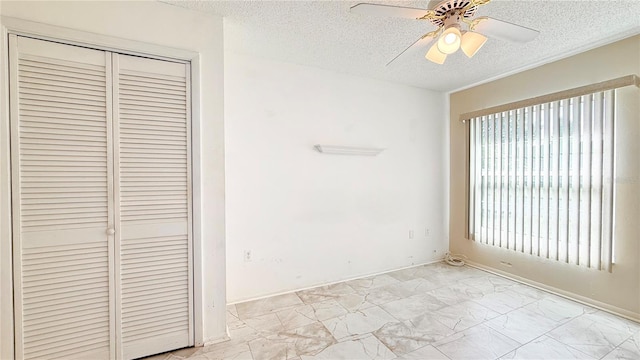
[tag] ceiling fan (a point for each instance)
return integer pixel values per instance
(448, 16)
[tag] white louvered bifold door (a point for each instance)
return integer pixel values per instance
(60, 124)
(153, 192)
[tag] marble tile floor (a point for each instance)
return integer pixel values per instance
(435, 311)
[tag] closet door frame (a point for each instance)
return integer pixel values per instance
(68, 36)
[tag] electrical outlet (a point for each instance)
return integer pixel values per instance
(410, 234)
(427, 232)
(247, 255)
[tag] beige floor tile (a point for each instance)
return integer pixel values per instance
(354, 302)
(595, 334)
(558, 309)
(489, 284)
(545, 347)
(328, 309)
(427, 312)
(424, 353)
(296, 317)
(220, 352)
(411, 307)
(478, 342)
(464, 315)
(268, 305)
(364, 285)
(324, 293)
(504, 301)
(186, 352)
(306, 340)
(366, 348)
(628, 350)
(358, 323)
(522, 325)
(408, 336)
(162, 356)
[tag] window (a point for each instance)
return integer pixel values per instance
(541, 179)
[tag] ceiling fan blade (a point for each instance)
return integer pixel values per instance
(388, 10)
(419, 45)
(503, 30)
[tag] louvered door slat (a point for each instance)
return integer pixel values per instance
(40, 91)
(59, 153)
(153, 192)
(60, 97)
(63, 72)
(62, 311)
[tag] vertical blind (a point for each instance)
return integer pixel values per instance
(541, 179)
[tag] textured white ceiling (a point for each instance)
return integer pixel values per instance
(326, 35)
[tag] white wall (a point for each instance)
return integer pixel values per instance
(164, 25)
(311, 218)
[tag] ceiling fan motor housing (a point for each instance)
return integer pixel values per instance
(452, 10)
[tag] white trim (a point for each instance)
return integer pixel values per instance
(196, 188)
(117, 239)
(335, 282)
(94, 41)
(190, 207)
(6, 252)
(446, 174)
(550, 59)
(9, 25)
(15, 190)
(214, 341)
(111, 205)
(565, 294)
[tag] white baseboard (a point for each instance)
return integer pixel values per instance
(334, 282)
(565, 294)
(214, 341)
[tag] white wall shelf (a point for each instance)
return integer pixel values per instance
(348, 150)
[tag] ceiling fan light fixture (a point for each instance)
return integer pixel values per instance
(434, 55)
(472, 42)
(449, 41)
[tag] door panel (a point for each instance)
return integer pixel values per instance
(153, 192)
(60, 120)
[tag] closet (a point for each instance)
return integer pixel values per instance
(101, 196)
